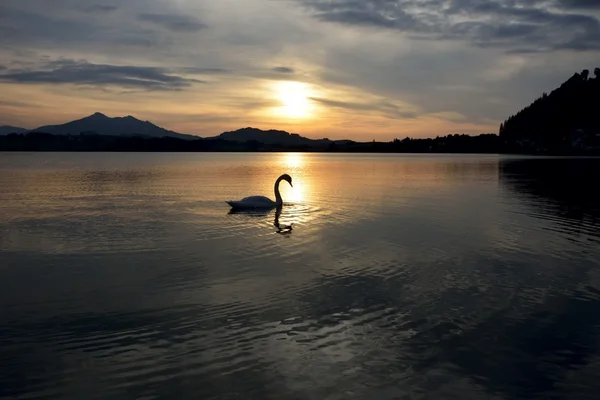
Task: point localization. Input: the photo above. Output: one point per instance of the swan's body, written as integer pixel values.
(262, 201)
(252, 202)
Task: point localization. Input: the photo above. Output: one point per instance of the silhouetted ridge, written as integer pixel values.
(100, 124)
(6, 129)
(566, 120)
(269, 137)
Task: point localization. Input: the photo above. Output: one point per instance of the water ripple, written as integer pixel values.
(402, 277)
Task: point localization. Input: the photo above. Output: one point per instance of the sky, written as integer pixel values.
(342, 69)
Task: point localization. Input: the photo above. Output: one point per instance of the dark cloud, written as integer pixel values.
(21, 63)
(177, 23)
(384, 107)
(37, 28)
(492, 23)
(98, 8)
(283, 70)
(523, 50)
(207, 71)
(85, 73)
(579, 4)
(7, 32)
(2, 67)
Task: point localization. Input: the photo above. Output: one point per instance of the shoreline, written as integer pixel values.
(534, 155)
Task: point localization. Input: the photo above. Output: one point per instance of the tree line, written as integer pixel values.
(35, 141)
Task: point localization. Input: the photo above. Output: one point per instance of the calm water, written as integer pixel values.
(123, 276)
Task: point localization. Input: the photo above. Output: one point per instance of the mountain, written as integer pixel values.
(7, 129)
(564, 119)
(270, 137)
(100, 124)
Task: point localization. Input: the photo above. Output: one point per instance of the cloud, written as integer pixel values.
(98, 8)
(2, 67)
(85, 73)
(64, 28)
(283, 70)
(579, 4)
(384, 107)
(494, 23)
(8, 31)
(173, 22)
(13, 103)
(205, 71)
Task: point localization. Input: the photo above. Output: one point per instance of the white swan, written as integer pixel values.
(262, 201)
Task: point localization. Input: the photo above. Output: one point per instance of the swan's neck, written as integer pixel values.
(278, 199)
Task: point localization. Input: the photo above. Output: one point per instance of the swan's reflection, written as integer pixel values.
(281, 229)
(250, 212)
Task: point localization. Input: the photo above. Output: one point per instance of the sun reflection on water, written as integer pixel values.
(297, 194)
(294, 160)
(294, 164)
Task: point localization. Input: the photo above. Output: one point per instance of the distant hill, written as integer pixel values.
(270, 137)
(100, 124)
(7, 129)
(562, 120)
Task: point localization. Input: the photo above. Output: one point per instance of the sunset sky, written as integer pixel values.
(356, 69)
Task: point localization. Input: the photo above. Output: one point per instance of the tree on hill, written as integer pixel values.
(552, 118)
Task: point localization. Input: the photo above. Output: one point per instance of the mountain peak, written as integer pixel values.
(118, 126)
(98, 115)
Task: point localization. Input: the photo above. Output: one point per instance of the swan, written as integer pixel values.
(262, 201)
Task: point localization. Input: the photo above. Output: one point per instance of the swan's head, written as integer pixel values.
(287, 178)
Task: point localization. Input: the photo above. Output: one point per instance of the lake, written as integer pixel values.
(124, 276)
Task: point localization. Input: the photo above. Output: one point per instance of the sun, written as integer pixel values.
(294, 98)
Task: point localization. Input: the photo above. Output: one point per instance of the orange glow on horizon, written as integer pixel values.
(285, 105)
